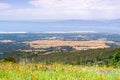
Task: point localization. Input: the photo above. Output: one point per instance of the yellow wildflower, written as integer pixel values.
(100, 76)
(117, 79)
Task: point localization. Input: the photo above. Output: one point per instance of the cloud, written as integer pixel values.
(74, 4)
(71, 5)
(83, 9)
(66, 9)
(4, 5)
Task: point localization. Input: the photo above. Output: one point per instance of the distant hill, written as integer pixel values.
(63, 25)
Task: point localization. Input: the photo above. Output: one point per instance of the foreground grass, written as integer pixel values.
(56, 72)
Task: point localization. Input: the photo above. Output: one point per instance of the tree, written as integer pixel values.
(116, 58)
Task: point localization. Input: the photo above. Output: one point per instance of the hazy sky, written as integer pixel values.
(59, 9)
(85, 13)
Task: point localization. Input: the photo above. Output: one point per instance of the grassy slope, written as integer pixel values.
(56, 72)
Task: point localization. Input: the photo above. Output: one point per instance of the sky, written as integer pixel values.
(58, 10)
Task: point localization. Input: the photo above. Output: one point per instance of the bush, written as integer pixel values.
(9, 59)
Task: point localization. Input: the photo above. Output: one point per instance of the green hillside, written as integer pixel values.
(87, 57)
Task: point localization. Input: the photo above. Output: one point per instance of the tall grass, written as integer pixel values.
(9, 71)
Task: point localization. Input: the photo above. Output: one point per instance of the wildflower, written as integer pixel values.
(55, 68)
(36, 65)
(21, 74)
(78, 69)
(80, 79)
(33, 76)
(48, 67)
(100, 76)
(16, 67)
(117, 79)
(14, 75)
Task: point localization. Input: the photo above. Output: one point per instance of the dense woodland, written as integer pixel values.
(110, 56)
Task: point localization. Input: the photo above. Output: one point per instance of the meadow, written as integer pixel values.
(41, 71)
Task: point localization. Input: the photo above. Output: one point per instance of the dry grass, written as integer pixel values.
(79, 45)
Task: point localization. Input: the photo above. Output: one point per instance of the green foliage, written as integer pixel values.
(116, 58)
(9, 59)
(84, 57)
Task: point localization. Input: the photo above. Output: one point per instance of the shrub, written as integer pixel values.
(9, 59)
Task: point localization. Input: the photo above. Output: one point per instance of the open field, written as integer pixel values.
(78, 45)
(10, 71)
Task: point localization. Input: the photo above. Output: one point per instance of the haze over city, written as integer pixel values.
(59, 15)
